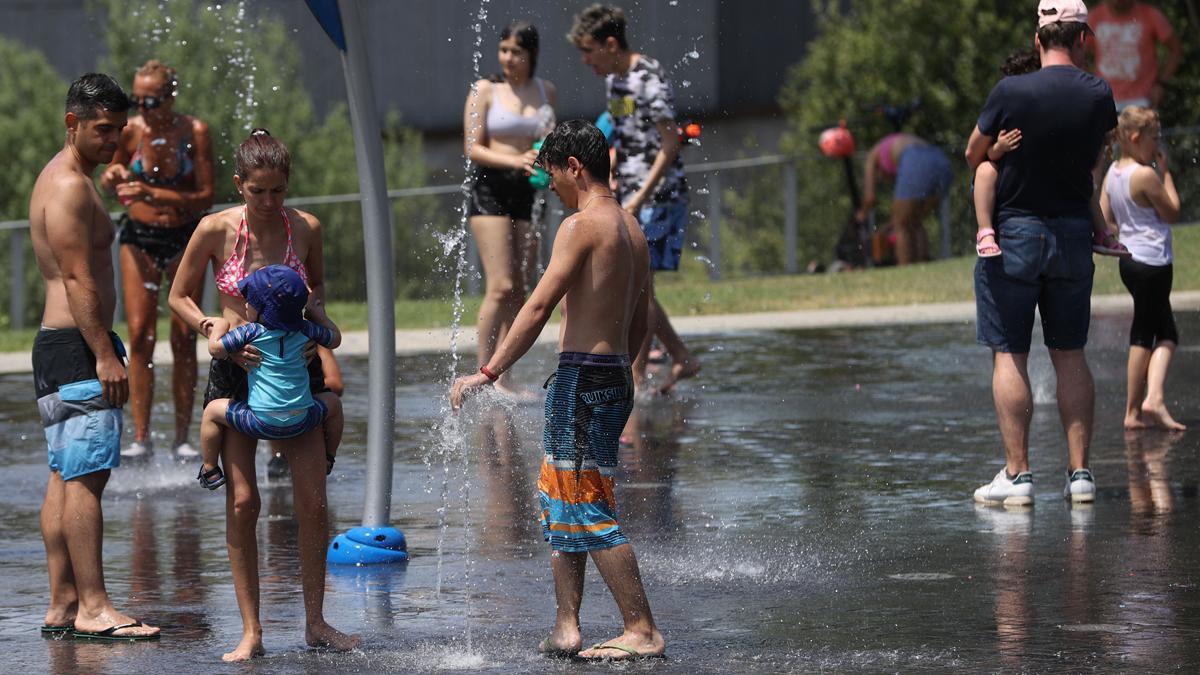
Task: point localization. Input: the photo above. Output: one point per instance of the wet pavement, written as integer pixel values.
(804, 506)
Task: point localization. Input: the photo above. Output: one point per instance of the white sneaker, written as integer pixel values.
(138, 450)
(1080, 487)
(185, 451)
(1016, 491)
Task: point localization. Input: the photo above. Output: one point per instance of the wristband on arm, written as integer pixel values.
(490, 375)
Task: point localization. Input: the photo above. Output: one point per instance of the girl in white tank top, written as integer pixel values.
(1142, 229)
(1142, 201)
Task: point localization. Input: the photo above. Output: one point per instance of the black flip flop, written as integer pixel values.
(110, 633)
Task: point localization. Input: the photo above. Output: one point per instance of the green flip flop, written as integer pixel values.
(634, 655)
(110, 633)
(50, 631)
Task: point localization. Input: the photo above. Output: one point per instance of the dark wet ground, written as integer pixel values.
(805, 506)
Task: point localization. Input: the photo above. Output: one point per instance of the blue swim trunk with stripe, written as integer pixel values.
(587, 405)
(270, 427)
(83, 430)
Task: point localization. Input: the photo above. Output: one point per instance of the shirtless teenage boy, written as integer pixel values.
(599, 268)
(78, 369)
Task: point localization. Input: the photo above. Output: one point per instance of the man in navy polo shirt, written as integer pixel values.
(1045, 206)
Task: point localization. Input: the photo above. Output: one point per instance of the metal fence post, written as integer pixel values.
(119, 315)
(789, 217)
(944, 219)
(16, 286)
(714, 226)
(474, 263)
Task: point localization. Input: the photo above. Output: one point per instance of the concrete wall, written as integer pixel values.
(421, 52)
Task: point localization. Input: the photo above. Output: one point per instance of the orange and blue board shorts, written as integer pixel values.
(588, 400)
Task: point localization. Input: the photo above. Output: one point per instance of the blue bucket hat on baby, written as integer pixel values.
(278, 294)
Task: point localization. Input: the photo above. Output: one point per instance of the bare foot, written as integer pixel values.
(1134, 421)
(250, 647)
(632, 646)
(324, 636)
(561, 643)
(63, 615)
(1157, 415)
(109, 618)
(681, 370)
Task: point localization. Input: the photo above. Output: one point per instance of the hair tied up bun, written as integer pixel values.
(260, 132)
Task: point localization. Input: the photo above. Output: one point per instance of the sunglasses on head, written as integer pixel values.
(147, 102)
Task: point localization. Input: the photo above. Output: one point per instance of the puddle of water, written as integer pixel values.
(782, 522)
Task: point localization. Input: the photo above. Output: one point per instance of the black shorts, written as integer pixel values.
(1150, 286)
(226, 379)
(501, 192)
(164, 244)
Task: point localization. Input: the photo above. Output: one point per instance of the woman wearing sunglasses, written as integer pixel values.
(163, 174)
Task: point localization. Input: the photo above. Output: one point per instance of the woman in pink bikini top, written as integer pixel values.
(235, 242)
(239, 240)
(234, 269)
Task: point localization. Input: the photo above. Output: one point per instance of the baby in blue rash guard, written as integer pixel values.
(280, 404)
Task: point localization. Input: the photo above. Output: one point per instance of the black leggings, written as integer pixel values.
(1150, 287)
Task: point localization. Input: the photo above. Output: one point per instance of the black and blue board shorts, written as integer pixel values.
(83, 430)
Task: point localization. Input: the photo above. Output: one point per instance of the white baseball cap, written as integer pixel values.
(1050, 11)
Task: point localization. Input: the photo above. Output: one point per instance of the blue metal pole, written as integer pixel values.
(376, 541)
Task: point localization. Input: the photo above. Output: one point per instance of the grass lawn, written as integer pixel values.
(691, 293)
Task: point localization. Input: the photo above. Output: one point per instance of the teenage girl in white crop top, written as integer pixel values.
(503, 118)
(1143, 202)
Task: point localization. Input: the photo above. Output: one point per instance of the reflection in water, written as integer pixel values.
(1149, 489)
(647, 471)
(784, 495)
(280, 571)
(509, 525)
(84, 656)
(1014, 607)
(1146, 602)
(186, 566)
(146, 596)
(370, 587)
(144, 581)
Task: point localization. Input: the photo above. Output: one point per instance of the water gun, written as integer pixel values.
(539, 179)
(687, 133)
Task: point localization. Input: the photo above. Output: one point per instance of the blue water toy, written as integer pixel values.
(368, 546)
(606, 125)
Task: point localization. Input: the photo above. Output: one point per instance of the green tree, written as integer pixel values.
(886, 52)
(238, 72)
(31, 131)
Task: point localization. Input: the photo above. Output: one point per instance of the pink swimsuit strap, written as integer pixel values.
(234, 268)
(887, 163)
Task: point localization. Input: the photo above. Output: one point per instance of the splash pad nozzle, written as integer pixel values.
(368, 546)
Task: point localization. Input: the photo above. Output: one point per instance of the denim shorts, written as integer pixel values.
(664, 225)
(1047, 264)
(923, 172)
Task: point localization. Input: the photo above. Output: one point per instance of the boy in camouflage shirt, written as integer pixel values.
(648, 172)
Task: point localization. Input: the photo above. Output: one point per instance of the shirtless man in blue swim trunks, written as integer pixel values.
(78, 366)
(600, 269)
